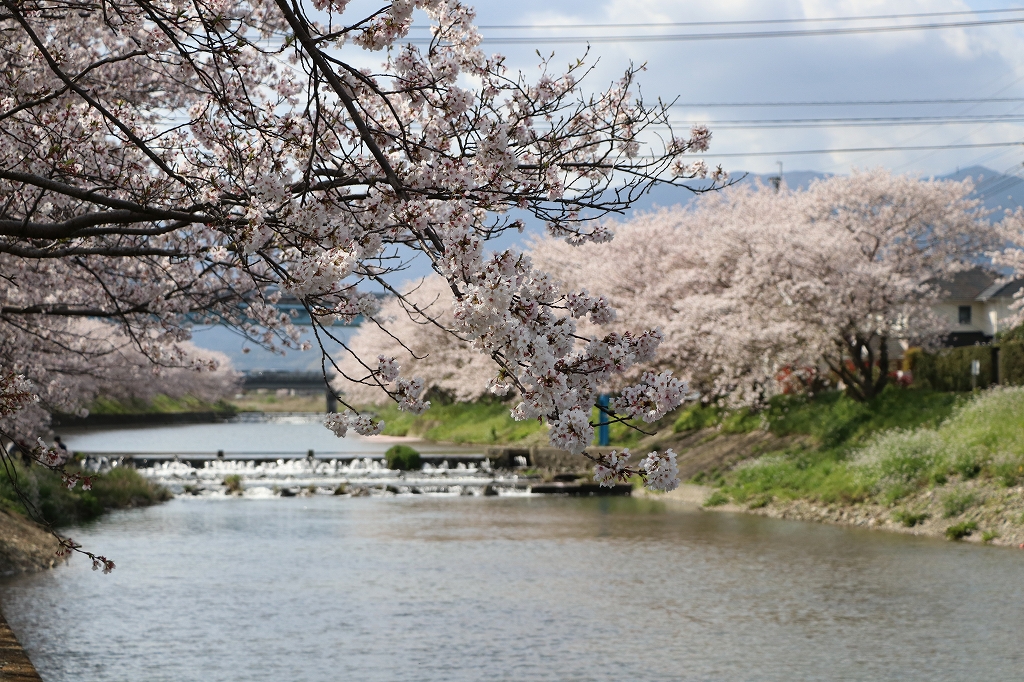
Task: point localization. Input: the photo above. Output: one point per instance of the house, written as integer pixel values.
(977, 303)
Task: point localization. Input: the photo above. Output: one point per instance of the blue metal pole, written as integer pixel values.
(602, 423)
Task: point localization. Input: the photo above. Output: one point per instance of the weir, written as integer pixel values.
(266, 474)
(141, 460)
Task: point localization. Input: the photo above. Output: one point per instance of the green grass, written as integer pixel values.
(696, 417)
(836, 420)
(886, 449)
(489, 422)
(478, 422)
(956, 502)
(233, 482)
(716, 499)
(117, 489)
(909, 518)
(959, 531)
(159, 404)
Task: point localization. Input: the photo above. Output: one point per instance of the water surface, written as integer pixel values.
(527, 588)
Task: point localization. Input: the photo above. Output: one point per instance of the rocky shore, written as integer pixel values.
(24, 546)
(996, 513)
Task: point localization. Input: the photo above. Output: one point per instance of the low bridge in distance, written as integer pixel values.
(275, 380)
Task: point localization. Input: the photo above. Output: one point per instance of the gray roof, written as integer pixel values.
(979, 284)
(1002, 289)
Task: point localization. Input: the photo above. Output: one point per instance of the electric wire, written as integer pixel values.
(850, 103)
(737, 35)
(749, 22)
(788, 124)
(855, 150)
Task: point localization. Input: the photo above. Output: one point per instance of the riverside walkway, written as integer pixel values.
(15, 665)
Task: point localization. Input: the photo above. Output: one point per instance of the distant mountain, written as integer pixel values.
(998, 191)
(665, 196)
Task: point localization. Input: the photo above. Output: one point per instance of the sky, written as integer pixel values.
(958, 63)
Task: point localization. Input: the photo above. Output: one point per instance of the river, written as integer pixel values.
(421, 587)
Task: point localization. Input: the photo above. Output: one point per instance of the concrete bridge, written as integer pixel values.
(273, 380)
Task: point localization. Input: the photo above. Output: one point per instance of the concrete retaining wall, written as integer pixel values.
(542, 458)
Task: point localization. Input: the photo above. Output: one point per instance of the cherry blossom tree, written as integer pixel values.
(1009, 257)
(750, 282)
(167, 164)
(72, 361)
(417, 332)
(872, 270)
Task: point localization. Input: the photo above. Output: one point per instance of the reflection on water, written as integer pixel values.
(421, 588)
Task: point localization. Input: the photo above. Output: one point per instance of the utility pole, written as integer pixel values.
(776, 180)
(602, 420)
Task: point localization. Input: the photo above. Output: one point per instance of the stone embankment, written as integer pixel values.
(24, 546)
(15, 665)
(705, 451)
(997, 512)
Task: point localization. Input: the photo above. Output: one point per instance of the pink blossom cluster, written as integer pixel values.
(612, 468)
(659, 471)
(1010, 259)
(15, 392)
(655, 396)
(363, 424)
(750, 284)
(414, 333)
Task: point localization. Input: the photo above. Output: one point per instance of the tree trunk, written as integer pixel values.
(862, 384)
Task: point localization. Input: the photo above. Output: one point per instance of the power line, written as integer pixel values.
(738, 35)
(854, 150)
(747, 22)
(852, 103)
(760, 124)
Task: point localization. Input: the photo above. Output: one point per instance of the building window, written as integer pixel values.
(965, 314)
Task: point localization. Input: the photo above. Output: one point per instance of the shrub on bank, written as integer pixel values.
(959, 531)
(46, 495)
(909, 518)
(402, 457)
(956, 502)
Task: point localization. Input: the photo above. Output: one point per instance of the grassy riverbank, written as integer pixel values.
(279, 401)
(934, 462)
(25, 545)
(159, 404)
(482, 422)
(47, 498)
